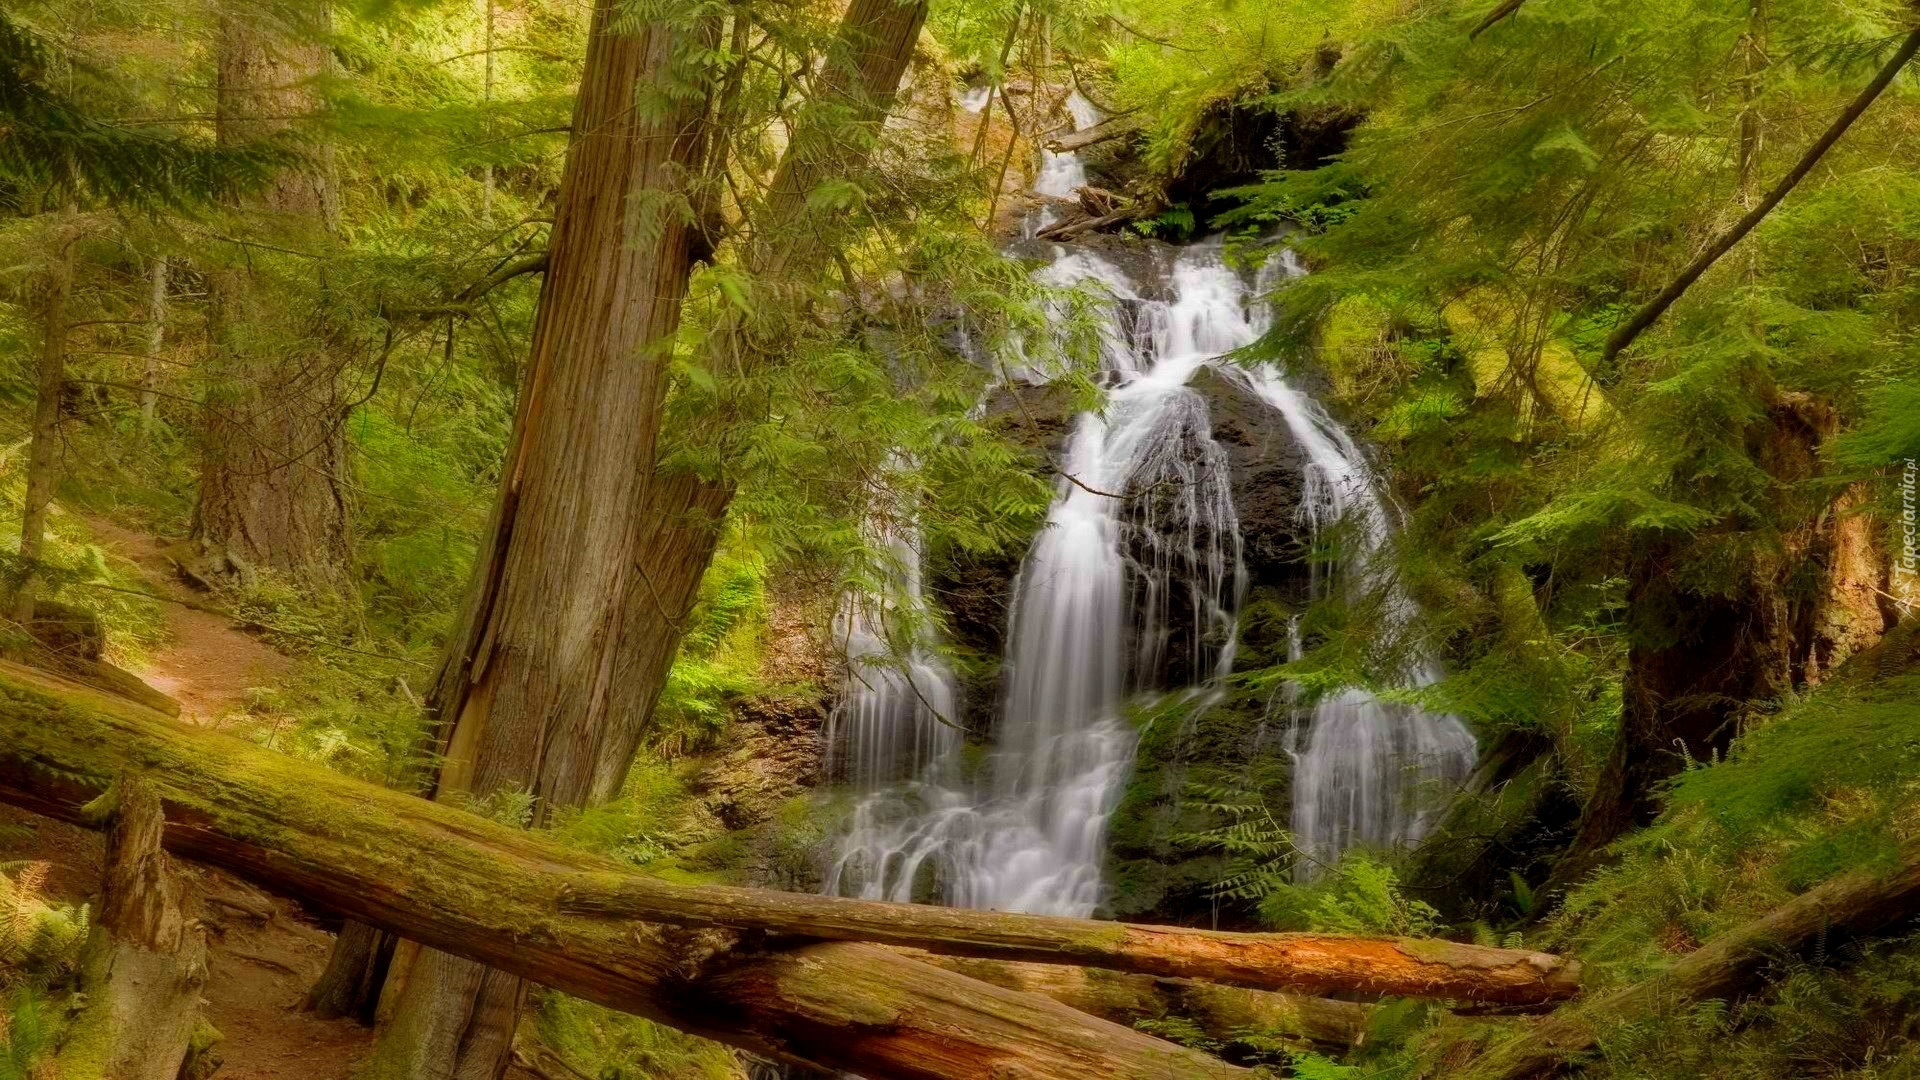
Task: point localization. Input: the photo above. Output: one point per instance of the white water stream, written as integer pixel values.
(1141, 549)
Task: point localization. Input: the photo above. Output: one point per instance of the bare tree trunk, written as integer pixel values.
(460, 882)
(597, 554)
(530, 685)
(350, 986)
(43, 457)
(156, 337)
(273, 451)
(145, 960)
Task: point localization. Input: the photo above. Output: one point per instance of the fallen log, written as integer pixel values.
(471, 887)
(1106, 130)
(1859, 902)
(1222, 1012)
(1315, 963)
(1067, 230)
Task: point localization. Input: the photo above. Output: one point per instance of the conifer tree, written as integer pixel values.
(273, 455)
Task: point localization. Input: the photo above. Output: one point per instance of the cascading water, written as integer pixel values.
(1367, 772)
(895, 721)
(1141, 550)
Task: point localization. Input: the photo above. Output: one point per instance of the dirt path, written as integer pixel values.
(208, 666)
(263, 951)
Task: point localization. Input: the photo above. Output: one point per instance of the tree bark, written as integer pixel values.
(790, 239)
(356, 968)
(272, 439)
(1859, 902)
(1320, 963)
(145, 959)
(156, 337)
(539, 674)
(1223, 1012)
(50, 377)
(432, 873)
(597, 553)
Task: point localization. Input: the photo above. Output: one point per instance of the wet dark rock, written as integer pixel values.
(773, 752)
(1269, 477)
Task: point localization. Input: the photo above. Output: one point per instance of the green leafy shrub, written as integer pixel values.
(1357, 895)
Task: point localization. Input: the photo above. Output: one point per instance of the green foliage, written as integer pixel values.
(1357, 895)
(655, 816)
(720, 654)
(39, 941)
(360, 717)
(56, 146)
(26, 1035)
(1260, 852)
(595, 1041)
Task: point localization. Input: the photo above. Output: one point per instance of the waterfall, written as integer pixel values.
(895, 719)
(1141, 553)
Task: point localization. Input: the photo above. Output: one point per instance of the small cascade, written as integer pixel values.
(895, 720)
(1367, 773)
(1060, 175)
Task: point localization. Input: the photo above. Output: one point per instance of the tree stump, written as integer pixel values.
(145, 959)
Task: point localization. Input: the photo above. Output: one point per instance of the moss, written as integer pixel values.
(598, 1042)
(1156, 868)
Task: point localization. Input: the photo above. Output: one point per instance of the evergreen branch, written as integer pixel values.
(1632, 328)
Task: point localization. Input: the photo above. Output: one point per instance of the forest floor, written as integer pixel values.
(263, 951)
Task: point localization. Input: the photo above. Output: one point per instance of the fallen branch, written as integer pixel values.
(1105, 131)
(1493, 18)
(1317, 963)
(463, 884)
(1627, 331)
(1222, 1012)
(1070, 229)
(1859, 902)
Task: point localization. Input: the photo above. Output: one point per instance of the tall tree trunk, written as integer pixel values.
(530, 683)
(145, 959)
(43, 457)
(156, 337)
(1700, 662)
(790, 239)
(597, 554)
(273, 451)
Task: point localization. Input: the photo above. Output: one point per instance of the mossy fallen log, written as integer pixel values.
(468, 886)
(1222, 1012)
(1859, 902)
(1316, 963)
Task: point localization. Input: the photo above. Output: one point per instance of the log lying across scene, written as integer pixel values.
(1319, 963)
(457, 882)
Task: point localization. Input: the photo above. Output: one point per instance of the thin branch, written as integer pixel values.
(1624, 335)
(543, 54)
(1115, 20)
(1494, 16)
